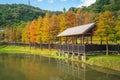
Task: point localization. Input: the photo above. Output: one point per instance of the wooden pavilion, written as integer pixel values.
(79, 32)
(82, 33)
(81, 42)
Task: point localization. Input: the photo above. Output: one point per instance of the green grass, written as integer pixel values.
(26, 50)
(111, 62)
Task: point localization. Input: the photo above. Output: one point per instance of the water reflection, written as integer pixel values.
(32, 67)
(81, 71)
(26, 68)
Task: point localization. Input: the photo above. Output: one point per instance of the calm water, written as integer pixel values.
(19, 67)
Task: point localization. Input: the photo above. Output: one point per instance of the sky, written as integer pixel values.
(52, 5)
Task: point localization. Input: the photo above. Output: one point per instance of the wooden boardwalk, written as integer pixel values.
(78, 49)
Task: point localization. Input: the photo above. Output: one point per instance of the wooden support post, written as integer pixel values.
(83, 57)
(59, 53)
(60, 40)
(78, 56)
(63, 54)
(67, 55)
(91, 38)
(66, 40)
(82, 39)
(73, 55)
(75, 40)
(72, 41)
(87, 42)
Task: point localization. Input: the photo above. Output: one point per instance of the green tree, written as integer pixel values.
(105, 26)
(117, 30)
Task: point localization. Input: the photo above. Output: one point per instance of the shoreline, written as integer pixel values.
(111, 62)
(26, 50)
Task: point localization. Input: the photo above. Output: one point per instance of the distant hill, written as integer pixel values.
(13, 14)
(103, 5)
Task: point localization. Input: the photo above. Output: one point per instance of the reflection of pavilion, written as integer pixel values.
(75, 70)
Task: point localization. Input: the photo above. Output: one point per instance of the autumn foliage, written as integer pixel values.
(45, 29)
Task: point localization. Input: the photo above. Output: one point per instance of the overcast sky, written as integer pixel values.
(53, 5)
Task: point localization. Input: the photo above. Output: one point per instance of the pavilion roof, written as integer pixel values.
(78, 30)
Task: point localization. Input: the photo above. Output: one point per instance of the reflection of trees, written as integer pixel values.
(9, 69)
(26, 68)
(39, 68)
(35, 69)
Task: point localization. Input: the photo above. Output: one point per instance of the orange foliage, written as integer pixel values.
(32, 31)
(71, 19)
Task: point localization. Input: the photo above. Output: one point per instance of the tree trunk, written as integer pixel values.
(49, 47)
(30, 45)
(107, 49)
(40, 47)
(34, 45)
(101, 42)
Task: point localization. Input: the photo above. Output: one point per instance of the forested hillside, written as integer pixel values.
(38, 26)
(103, 5)
(14, 14)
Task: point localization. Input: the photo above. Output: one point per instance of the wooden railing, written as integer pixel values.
(77, 48)
(71, 48)
(102, 48)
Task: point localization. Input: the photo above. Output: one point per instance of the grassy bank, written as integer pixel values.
(26, 50)
(111, 62)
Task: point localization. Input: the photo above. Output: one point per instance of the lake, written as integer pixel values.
(33, 67)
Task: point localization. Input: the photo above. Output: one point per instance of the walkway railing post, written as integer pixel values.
(84, 54)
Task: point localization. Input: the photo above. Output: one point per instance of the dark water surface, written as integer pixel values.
(24, 67)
